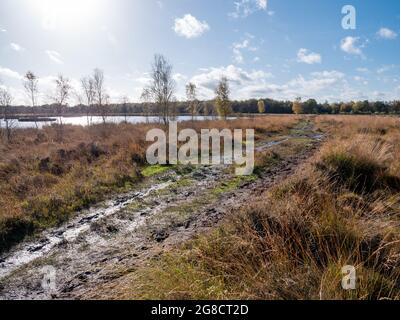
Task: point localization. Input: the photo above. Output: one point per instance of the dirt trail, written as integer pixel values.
(104, 243)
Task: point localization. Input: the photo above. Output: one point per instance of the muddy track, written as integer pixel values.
(103, 244)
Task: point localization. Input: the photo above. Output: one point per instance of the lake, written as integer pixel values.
(82, 120)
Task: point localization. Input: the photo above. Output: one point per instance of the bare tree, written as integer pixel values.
(31, 85)
(105, 109)
(191, 94)
(146, 100)
(162, 87)
(124, 105)
(9, 121)
(61, 95)
(60, 98)
(87, 84)
(100, 95)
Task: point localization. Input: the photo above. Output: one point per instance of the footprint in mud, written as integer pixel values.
(40, 246)
(103, 228)
(160, 235)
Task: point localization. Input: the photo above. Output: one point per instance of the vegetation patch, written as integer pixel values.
(277, 249)
(153, 170)
(233, 184)
(361, 165)
(293, 241)
(265, 160)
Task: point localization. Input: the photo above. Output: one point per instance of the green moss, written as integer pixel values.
(151, 171)
(182, 183)
(136, 205)
(183, 169)
(233, 184)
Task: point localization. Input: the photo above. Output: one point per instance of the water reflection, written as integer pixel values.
(83, 121)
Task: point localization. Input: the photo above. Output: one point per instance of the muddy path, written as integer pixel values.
(101, 245)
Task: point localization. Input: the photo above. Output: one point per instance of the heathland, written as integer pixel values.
(325, 194)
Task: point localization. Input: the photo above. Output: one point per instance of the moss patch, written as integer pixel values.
(151, 171)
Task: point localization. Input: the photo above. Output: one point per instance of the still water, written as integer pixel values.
(83, 121)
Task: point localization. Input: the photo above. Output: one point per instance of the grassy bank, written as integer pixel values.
(45, 180)
(342, 208)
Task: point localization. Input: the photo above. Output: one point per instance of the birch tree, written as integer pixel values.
(9, 121)
(87, 84)
(100, 94)
(31, 86)
(222, 103)
(162, 88)
(191, 95)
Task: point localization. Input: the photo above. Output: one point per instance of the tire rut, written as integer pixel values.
(101, 246)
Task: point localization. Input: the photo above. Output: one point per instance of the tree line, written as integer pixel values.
(311, 106)
(158, 99)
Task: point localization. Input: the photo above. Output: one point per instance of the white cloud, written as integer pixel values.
(315, 86)
(54, 56)
(378, 95)
(237, 53)
(305, 56)
(318, 81)
(386, 33)
(3, 30)
(328, 75)
(349, 45)
(238, 78)
(361, 80)
(386, 68)
(110, 36)
(244, 8)
(238, 47)
(160, 4)
(363, 70)
(6, 72)
(190, 27)
(112, 39)
(16, 47)
(178, 77)
(241, 45)
(143, 80)
(257, 83)
(238, 56)
(262, 4)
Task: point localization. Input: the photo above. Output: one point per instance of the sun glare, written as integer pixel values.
(67, 13)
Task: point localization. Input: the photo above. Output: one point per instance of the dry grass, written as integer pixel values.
(342, 208)
(44, 180)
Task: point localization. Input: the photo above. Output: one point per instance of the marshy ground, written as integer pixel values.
(324, 194)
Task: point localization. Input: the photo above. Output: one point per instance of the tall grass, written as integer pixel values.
(43, 181)
(342, 208)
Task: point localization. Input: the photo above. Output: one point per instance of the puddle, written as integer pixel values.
(71, 231)
(86, 246)
(271, 144)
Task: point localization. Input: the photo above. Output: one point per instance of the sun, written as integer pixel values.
(67, 13)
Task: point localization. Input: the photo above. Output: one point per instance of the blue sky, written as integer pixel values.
(277, 48)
